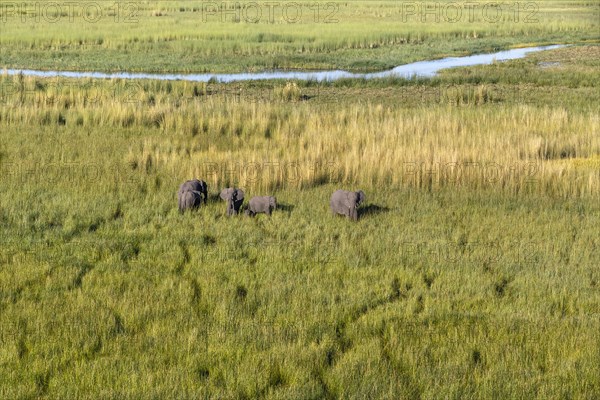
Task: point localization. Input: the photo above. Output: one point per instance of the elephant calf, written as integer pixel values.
(346, 203)
(234, 198)
(261, 204)
(191, 193)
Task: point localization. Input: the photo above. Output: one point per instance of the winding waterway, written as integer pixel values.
(422, 69)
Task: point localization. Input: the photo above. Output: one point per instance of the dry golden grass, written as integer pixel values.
(471, 144)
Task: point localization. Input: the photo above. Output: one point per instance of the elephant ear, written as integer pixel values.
(239, 194)
(361, 197)
(274, 201)
(226, 193)
(350, 198)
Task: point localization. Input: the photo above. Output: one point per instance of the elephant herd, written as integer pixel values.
(193, 193)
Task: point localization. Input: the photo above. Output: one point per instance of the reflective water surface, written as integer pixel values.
(425, 69)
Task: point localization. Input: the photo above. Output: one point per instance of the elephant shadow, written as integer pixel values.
(213, 197)
(372, 209)
(288, 208)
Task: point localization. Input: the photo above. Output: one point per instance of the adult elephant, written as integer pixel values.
(234, 198)
(346, 203)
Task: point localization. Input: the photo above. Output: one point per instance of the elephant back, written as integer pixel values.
(194, 184)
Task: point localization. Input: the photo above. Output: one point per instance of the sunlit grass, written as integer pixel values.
(477, 136)
(358, 35)
(472, 272)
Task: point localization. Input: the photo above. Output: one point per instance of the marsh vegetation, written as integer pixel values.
(472, 272)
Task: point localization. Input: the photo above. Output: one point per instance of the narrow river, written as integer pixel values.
(424, 69)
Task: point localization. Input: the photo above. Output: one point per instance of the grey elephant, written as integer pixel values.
(346, 203)
(261, 204)
(190, 199)
(191, 194)
(195, 185)
(234, 198)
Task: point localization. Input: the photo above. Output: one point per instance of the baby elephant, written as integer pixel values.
(261, 204)
(346, 203)
(234, 198)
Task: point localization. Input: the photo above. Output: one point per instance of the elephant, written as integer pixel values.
(261, 204)
(346, 203)
(234, 198)
(189, 199)
(195, 185)
(191, 193)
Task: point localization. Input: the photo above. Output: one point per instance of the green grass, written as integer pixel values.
(456, 282)
(304, 304)
(360, 36)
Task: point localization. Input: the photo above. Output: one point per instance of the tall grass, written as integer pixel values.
(462, 138)
(480, 284)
